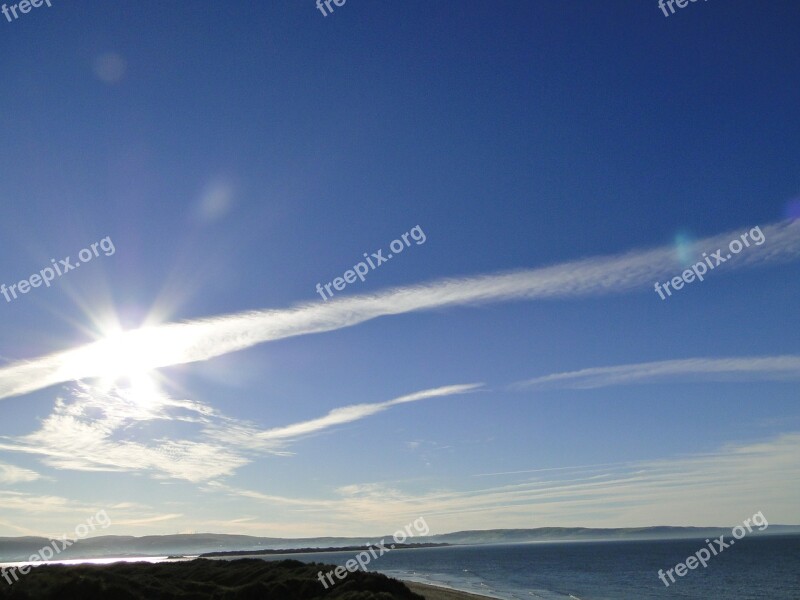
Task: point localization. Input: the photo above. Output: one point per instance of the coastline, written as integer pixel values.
(434, 592)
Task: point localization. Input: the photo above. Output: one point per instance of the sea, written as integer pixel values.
(756, 568)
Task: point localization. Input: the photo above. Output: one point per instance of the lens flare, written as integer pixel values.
(684, 248)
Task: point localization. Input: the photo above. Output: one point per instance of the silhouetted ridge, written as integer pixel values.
(243, 579)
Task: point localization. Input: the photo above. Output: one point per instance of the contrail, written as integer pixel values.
(179, 343)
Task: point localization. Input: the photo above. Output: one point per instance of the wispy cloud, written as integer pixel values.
(179, 343)
(244, 435)
(46, 515)
(713, 489)
(355, 412)
(90, 432)
(148, 520)
(757, 368)
(9, 474)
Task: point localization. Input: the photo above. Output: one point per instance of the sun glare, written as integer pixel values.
(121, 355)
(124, 359)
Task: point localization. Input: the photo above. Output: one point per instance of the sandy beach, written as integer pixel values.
(431, 592)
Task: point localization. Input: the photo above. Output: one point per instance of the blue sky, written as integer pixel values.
(553, 154)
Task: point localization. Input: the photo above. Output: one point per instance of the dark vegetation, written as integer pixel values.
(243, 579)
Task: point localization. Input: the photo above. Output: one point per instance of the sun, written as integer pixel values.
(126, 360)
(120, 355)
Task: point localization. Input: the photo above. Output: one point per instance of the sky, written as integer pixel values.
(512, 365)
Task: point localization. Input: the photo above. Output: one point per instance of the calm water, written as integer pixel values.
(756, 568)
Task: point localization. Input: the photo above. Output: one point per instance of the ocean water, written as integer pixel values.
(756, 568)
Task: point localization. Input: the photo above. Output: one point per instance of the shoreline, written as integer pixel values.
(435, 592)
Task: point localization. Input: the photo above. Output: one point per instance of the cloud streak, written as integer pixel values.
(751, 368)
(180, 343)
(355, 412)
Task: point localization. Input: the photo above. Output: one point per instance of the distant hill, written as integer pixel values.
(21, 548)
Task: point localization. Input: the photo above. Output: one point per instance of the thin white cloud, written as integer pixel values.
(148, 520)
(37, 505)
(51, 516)
(757, 368)
(179, 343)
(9, 474)
(272, 440)
(356, 412)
